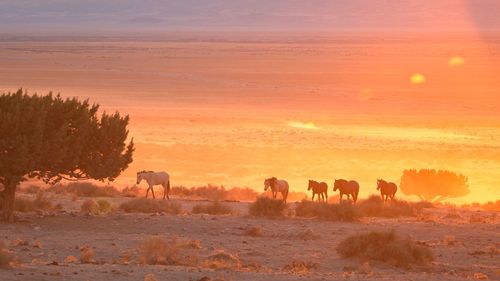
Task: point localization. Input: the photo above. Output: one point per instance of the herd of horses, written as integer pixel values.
(349, 188)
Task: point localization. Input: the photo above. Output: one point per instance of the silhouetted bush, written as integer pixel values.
(159, 250)
(214, 208)
(374, 207)
(333, 212)
(433, 185)
(385, 247)
(144, 205)
(267, 207)
(85, 189)
(92, 207)
(131, 191)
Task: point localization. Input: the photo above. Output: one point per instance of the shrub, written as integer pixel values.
(267, 207)
(332, 212)
(6, 258)
(144, 205)
(215, 208)
(216, 193)
(384, 247)
(133, 191)
(85, 189)
(222, 260)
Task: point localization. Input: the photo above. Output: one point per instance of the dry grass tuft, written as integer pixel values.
(144, 205)
(222, 260)
(133, 191)
(70, 259)
(267, 207)
(87, 255)
(254, 231)
(150, 277)
(166, 251)
(385, 247)
(332, 212)
(6, 257)
(374, 207)
(300, 267)
(215, 193)
(214, 208)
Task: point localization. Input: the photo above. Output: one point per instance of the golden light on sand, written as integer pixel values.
(417, 79)
(303, 125)
(456, 61)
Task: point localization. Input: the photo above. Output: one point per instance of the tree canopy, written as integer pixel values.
(53, 138)
(432, 185)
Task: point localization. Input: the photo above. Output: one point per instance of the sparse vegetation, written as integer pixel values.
(267, 207)
(6, 258)
(222, 260)
(374, 207)
(214, 208)
(300, 267)
(216, 193)
(39, 203)
(432, 185)
(85, 189)
(333, 212)
(132, 191)
(159, 250)
(144, 205)
(385, 247)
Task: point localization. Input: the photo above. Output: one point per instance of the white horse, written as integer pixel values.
(155, 178)
(276, 186)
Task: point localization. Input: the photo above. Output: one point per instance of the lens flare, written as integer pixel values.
(417, 79)
(456, 61)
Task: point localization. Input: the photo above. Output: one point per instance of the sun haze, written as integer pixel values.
(176, 129)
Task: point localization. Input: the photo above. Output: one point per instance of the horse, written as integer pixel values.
(320, 188)
(155, 178)
(348, 188)
(276, 186)
(387, 189)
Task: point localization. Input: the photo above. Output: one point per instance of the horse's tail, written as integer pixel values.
(166, 190)
(285, 194)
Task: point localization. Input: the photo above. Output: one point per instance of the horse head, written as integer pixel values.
(336, 185)
(139, 176)
(311, 182)
(267, 184)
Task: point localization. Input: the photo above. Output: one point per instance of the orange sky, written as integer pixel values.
(233, 109)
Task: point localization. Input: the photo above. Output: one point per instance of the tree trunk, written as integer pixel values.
(8, 196)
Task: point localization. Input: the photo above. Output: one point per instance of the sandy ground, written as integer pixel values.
(464, 242)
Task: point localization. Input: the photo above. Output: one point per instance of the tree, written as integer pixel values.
(51, 138)
(433, 185)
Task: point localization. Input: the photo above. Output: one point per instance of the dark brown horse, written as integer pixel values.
(387, 189)
(350, 188)
(320, 188)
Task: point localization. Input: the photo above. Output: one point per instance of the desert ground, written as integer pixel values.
(53, 245)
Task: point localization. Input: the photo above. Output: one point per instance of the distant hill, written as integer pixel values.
(254, 15)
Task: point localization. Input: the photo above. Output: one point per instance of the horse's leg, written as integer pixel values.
(147, 192)
(326, 195)
(164, 191)
(152, 191)
(341, 197)
(313, 197)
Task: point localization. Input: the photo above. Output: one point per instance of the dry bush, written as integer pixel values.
(332, 212)
(144, 205)
(92, 207)
(374, 206)
(491, 206)
(6, 257)
(164, 251)
(293, 196)
(222, 260)
(385, 247)
(254, 231)
(85, 189)
(31, 189)
(214, 208)
(300, 267)
(241, 194)
(70, 259)
(87, 255)
(41, 202)
(267, 207)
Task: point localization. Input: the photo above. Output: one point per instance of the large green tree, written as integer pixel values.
(431, 185)
(51, 138)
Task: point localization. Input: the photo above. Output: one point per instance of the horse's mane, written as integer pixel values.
(145, 172)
